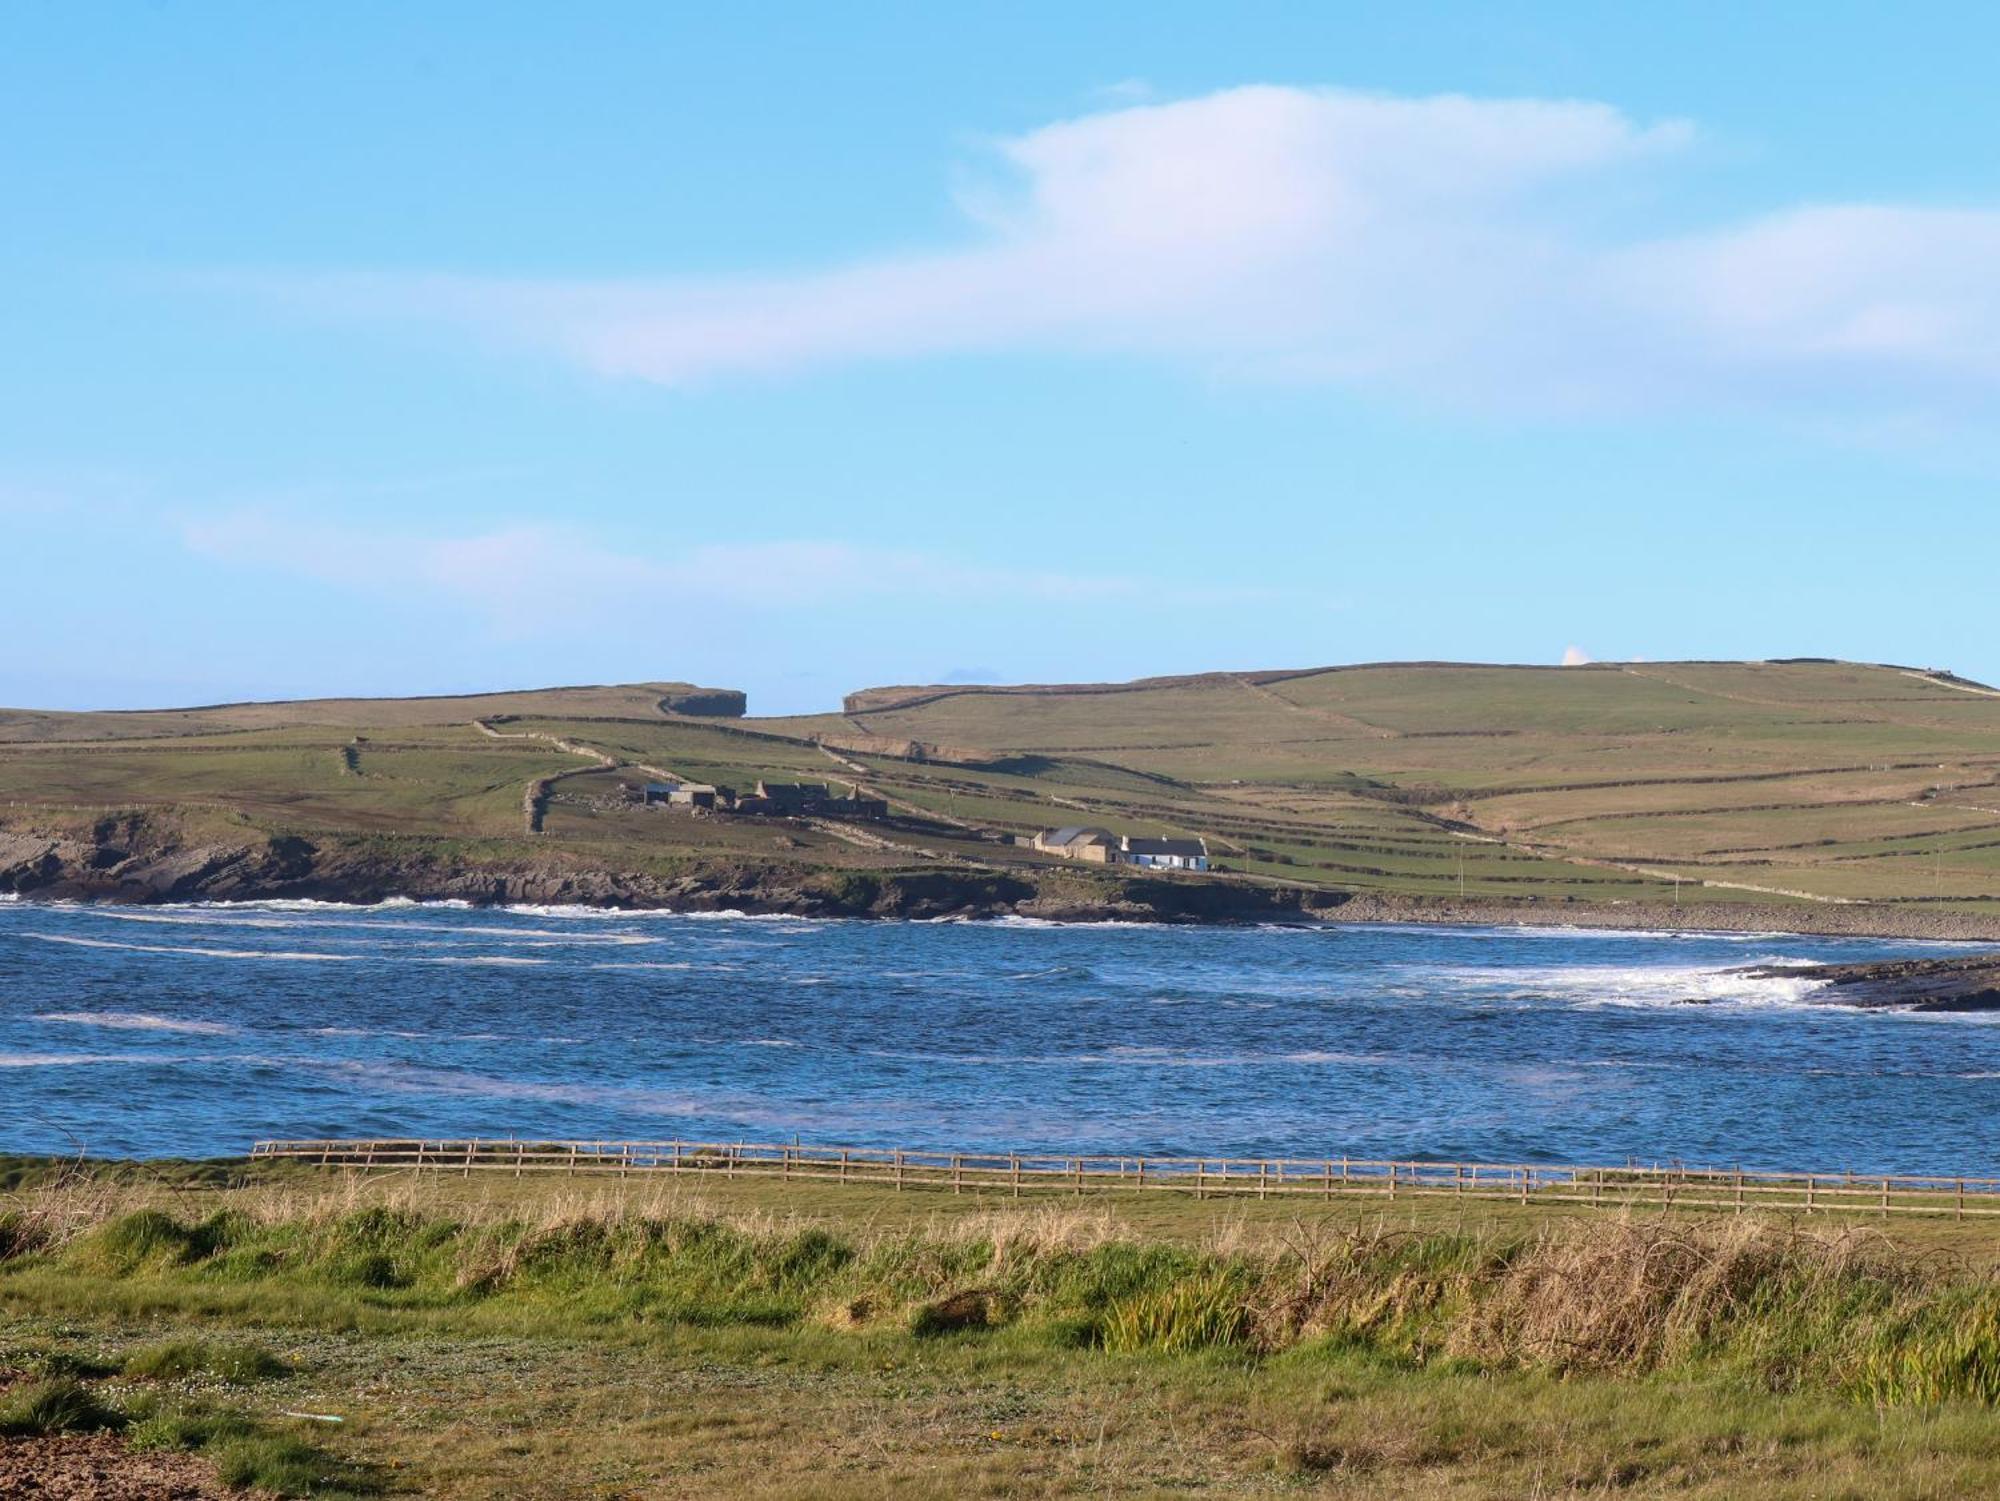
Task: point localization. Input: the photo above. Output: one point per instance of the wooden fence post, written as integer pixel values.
(1014, 1167)
(470, 1147)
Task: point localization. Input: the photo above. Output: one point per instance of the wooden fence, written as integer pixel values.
(1732, 1189)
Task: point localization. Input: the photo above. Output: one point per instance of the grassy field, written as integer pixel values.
(485, 1338)
(1704, 783)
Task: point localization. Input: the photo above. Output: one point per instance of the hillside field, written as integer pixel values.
(1801, 784)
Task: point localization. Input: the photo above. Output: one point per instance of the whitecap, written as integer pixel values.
(68, 1060)
(134, 1021)
(477, 959)
(156, 948)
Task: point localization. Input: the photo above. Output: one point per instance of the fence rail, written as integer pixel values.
(1016, 1173)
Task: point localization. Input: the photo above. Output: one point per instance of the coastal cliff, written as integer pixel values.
(141, 857)
(138, 858)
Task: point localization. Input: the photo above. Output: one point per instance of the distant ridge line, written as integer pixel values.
(371, 698)
(916, 695)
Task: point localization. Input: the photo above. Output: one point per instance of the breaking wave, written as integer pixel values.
(135, 1021)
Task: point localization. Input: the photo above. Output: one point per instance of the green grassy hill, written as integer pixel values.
(1802, 783)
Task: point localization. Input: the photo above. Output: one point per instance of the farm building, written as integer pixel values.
(810, 800)
(1167, 854)
(1080, 842)
(1096, 846)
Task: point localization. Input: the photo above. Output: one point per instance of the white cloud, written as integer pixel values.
(1576, 656)
(528, 576)
(1444, 247)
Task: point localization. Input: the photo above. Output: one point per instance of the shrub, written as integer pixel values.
(1206, 1314)
(286, 1466)
(59, 1406)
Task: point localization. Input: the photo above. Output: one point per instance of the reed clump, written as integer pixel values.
(1782, 1308)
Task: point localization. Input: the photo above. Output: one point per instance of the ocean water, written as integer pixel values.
(196, 1029)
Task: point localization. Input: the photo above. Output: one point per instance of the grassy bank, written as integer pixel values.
(536, 1340)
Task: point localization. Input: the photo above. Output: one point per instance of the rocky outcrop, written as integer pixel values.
(707, 703)
(144, 857)
(1966, 984)
(140, 858)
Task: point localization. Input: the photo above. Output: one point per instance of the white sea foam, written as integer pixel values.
(572, 910)
(526, 937)
(734, 914)
(473, 959)
(1640, 985)
(288, 955)
(1016, 920)
(134, 1021)
(158, 948)
(66, 1060)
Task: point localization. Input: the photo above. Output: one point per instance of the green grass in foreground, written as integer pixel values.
(536, 1340)
(244, 1450)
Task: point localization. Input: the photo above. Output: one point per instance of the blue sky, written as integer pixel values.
(372, 349)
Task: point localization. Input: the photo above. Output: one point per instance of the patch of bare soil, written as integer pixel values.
(98, 1467)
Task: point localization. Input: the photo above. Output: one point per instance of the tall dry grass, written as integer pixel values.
(1782, 1307)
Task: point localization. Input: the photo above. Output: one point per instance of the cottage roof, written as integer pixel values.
(1077, 833)
(1185, 848)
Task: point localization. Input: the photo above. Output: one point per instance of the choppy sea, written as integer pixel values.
(195, 1029)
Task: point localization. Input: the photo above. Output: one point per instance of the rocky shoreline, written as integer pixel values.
(1967, 984)
(137, 859)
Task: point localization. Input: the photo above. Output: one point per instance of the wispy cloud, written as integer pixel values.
(1447, 248)
(529, 577)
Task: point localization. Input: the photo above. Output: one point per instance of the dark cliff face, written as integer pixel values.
(139, 860)
(137, 857)
(709, 703)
